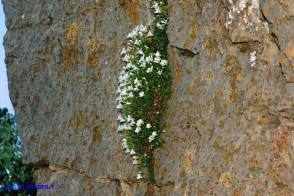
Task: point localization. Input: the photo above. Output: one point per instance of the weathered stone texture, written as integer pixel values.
(229, 123)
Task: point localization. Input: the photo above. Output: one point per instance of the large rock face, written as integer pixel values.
(229, 123)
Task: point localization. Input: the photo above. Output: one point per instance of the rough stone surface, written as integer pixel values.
(229, 123)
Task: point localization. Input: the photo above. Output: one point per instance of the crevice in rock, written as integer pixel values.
(243, 42)
(276, 39)
(264, 18)
(185, 52)
(48, 23)
(45, 164)
(41, 164)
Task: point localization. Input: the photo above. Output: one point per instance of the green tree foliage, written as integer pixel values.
(12, 170)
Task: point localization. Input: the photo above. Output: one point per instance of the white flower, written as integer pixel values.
(135, 162)
(138, 129)
(131, 95)
(150, 69)
(123, 92)
(159, 72)
(120, 118)
(123, 51)
(142, 59)
(150, 34)
(157, 59)
(130, 88)
(140, 122)
(140, 52)
(126, 57)
(151, 137)
(149, 59)
(132, 122)
(136, 81)
(163, 62)
(143, 64)
(137, 42)
(157, 11)
(141, 94)
(139, 176)
(156, 7)
(157, 54)
(143, 28)
(158, 25)
(119, 106)
(129, 118)
(132, 152)
(148, 126)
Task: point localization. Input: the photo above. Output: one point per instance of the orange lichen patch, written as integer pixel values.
(194, 31)
(192, 35)
(192, 89)
(92, 61)
(92, 43)
(225, 179)
(222, 123)
(224, 31)
(207, 103)
(56, 104)
(209, 77)
(163, 171)
(36, 69)
(133, 12)
(97, 137)
(187, 6)
(217, 146)
(45, 60)
(187, 44)
(176, 139)
(67, 65)
(229, 158)
(99, 73)
(202, 171)
(211, 48)
(282, 146)
(269, 74)
(262, 120)
(244, 48)
(290, 51)
(73, 31)
(265, 13)
(188, 160)
(272, 3)
(170, 7)
(260, 149)
(178, 75)
(231, 63)
(65, 53)
(240, 77)
(47, 40)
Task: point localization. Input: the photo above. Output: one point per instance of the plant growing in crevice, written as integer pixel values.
(144, 88)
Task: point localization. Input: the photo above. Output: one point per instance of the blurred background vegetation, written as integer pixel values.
(12, 170)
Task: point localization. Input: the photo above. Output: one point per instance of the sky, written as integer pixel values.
(4, 93)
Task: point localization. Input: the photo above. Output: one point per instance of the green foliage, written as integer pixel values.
(145, 85)
(12, 170)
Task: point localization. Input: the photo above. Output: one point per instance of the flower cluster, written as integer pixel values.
(144, 86)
